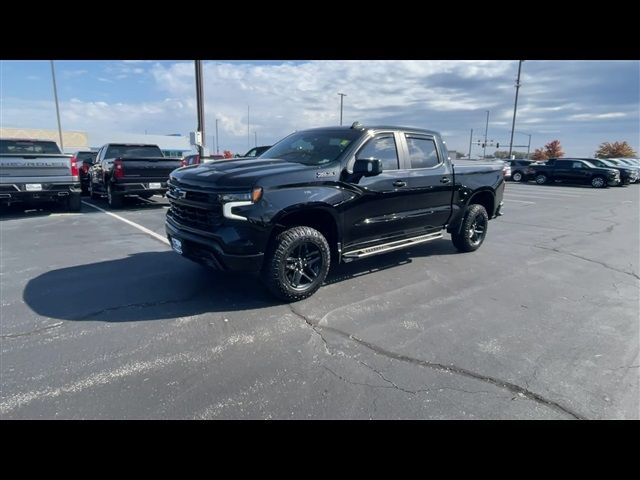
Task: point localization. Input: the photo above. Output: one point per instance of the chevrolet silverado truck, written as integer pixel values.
(574, 171)
(325, 196)
(129, 169)
(36, 171)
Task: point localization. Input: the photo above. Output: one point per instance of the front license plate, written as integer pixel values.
(176, 245)
(155, 185)
(34, 187)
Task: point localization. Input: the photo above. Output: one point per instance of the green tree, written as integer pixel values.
(615, 150)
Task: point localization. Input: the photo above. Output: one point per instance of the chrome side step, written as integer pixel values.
(388, 247)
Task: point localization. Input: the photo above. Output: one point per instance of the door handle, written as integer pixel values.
(399, 183)
(445, 180)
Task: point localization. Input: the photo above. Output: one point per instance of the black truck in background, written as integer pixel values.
(325, 196)
(573, 170)
(122, 169)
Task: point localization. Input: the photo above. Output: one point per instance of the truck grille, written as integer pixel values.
(194, 217)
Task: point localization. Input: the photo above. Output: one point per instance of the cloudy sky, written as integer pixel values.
(581, 103)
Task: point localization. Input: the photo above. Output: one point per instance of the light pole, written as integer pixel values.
(217, 138)
(342, 95)
(515, 107)
(256, 135)
(529, 144)
(55, 96)
(470, 140)
(200, 105)
(248, 133)
(486, 129)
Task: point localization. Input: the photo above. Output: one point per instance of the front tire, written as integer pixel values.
(517, 177)
(74, 202)
(297, 264)
(114, 199)
(598, 182)
(541, 179)
(473, 230)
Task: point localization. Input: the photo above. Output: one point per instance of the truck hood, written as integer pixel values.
(236, 174)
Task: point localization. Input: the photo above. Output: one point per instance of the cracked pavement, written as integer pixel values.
(102, 321)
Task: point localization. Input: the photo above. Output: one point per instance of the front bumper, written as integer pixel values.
(207, 251)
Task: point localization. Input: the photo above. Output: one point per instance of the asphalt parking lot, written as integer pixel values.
(100, 319)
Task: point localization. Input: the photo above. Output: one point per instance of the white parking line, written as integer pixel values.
(569, 193)
(519, 201)
(536, 197)
(129, 222)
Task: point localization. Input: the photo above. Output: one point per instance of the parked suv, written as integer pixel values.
(520, 171)
(325, 196)
(575, 170)
(627, 174)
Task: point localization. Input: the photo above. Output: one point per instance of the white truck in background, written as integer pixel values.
(36, 171)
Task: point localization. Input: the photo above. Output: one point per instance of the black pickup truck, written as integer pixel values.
(129, 169)
(329, 195)
(573, 170)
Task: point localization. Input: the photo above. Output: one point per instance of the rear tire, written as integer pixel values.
(517, 177)
(297, 264)
(473, 229)
(114, 199)
(598, 182)
(541, 179)
(92, 194)
(74, 202)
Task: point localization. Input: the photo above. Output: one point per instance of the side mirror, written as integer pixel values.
(368, 167)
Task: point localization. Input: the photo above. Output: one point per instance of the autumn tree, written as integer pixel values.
(227, 154)
(539, 154)
(615, 150)
(553, 149)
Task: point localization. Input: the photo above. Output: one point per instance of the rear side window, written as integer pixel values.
(422, 152)
(29, 146)
(383, 148)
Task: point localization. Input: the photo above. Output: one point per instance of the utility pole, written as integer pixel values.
(55, 96)
(200, 104)
(217, 138)
(528, 147)
(342, 95)
(486, 129)
(256, 135)
(470, 140)
(515, 107)
(248, 133)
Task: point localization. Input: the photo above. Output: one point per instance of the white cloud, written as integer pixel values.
(590, 117)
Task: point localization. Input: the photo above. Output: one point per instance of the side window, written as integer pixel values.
(422, 152)
(577, 165)
(384, 148)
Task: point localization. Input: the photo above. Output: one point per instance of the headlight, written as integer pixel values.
(253, 196)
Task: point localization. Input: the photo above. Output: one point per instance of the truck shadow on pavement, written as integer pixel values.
(162, 285)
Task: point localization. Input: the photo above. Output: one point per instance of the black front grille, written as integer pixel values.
(194, 217)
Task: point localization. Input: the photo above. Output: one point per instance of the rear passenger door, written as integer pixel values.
(429, 180)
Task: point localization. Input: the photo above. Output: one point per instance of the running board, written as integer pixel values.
(388, 247)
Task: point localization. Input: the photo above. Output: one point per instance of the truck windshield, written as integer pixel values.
(128, 151)
(29, 147)
(313, 147)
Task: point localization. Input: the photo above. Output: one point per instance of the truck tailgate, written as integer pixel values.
(149, 169)
(25, 168)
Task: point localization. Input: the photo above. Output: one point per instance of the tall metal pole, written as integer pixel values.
(515, 107)
(528, 147)
(248, 133)
(217, 138)
(486, 129)
(55, 96)
(342, 95)
(470, 140)
(256, 135)
(200, 104)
